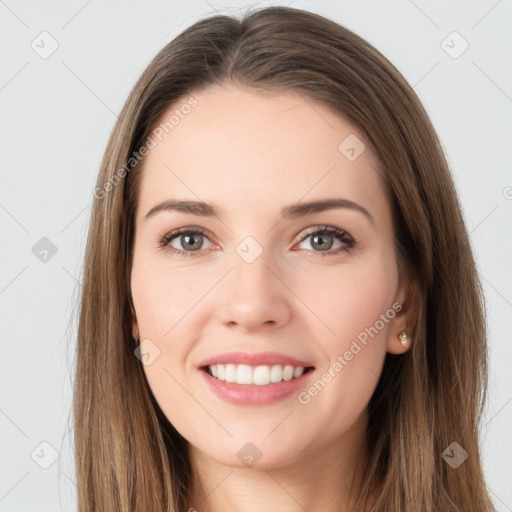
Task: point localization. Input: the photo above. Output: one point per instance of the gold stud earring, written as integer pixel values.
(403, 338)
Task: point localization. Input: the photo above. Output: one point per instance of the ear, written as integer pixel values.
(135, 326)
(404, 320)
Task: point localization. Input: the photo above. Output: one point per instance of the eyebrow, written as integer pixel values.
(292, 211)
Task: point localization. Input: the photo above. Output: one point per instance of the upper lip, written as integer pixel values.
(260, 358)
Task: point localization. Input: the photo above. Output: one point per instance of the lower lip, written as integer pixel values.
(244, 394)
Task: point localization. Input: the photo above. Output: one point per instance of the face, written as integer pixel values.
(291, 307)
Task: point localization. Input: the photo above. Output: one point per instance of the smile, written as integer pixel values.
(262, 375)
(255, 385)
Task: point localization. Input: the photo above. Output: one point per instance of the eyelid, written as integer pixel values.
(340, 234)
(334, 231)
(175, 233)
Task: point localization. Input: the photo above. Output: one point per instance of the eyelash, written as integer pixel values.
(341, 235)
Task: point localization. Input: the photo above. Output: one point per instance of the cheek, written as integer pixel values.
(161, 304)
(167, 302)
(163, 296)
(358, 308)
(354, 304)
(347, 300)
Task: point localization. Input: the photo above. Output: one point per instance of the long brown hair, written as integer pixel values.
(128, 456)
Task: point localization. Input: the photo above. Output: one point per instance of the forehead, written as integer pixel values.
(250, 150)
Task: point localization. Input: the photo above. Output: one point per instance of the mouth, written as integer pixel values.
(261, 375)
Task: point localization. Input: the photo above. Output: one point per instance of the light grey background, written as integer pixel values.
(56, 116)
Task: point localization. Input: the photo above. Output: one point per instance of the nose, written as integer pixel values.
(253, 296)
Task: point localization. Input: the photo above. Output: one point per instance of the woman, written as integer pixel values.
(281, 308)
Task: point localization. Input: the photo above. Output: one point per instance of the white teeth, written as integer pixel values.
(288, 372)
(230, 373)
(244, 374)
(261, 375)
(276, 373)
(298, 371)
(255, 375)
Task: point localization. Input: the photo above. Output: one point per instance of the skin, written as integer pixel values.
(252, 154)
